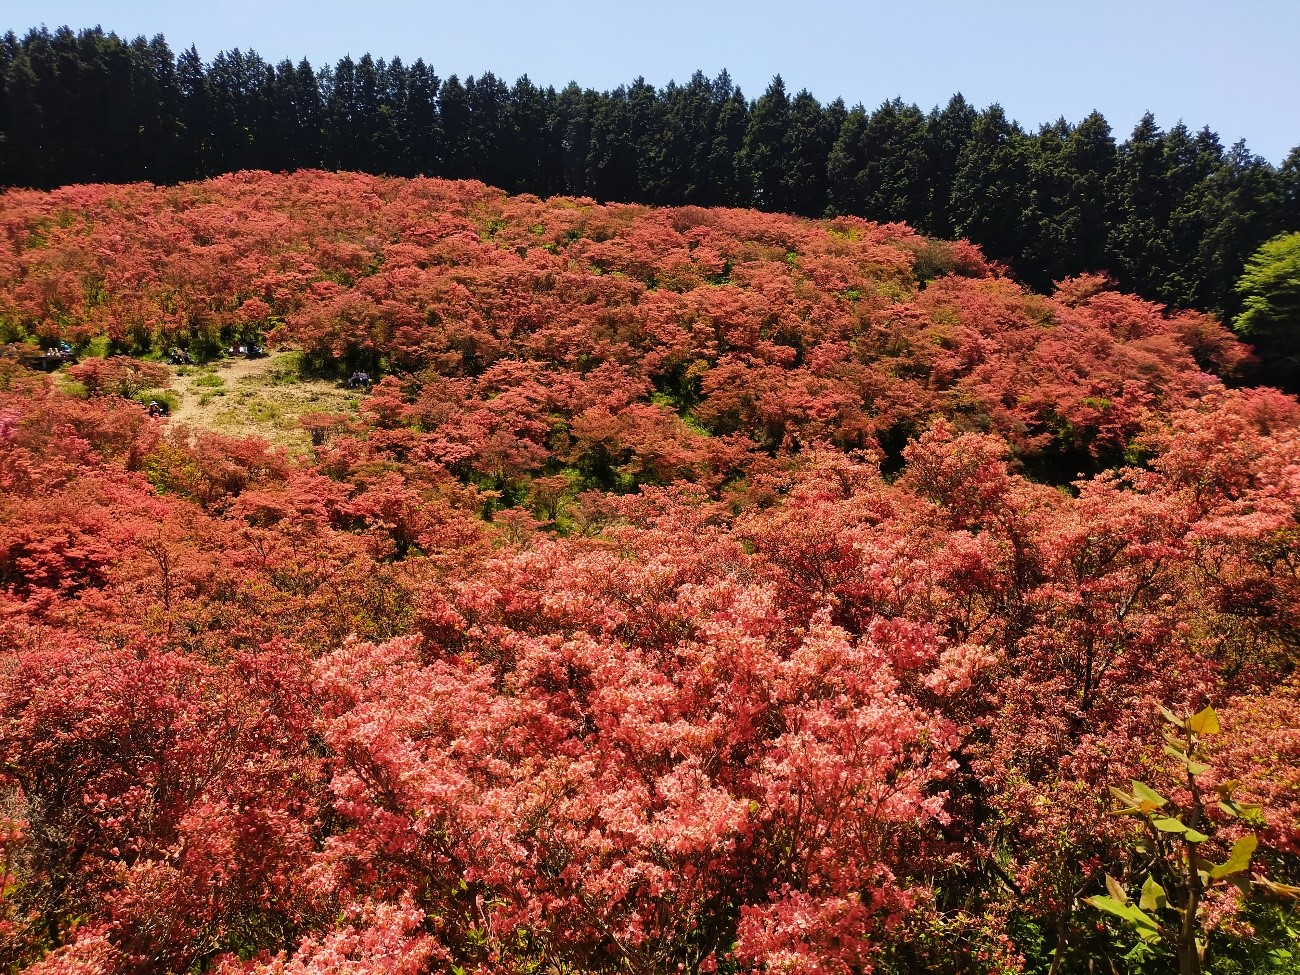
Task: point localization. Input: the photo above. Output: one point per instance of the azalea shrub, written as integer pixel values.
(695, 590)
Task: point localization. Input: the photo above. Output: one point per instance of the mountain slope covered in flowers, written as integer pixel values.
(696, 590)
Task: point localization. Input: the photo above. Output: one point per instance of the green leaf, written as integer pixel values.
(1192, 836)
(1147, 795)
(1153, 895)
(1116, 891)
(1129, 805)
(1239, 859)
(1168, 824)
(1146, 927)
(1196, 768)
(1282, 890)
(1204, 722)
(1109, 905)
(1172, 718)
(1252, 812)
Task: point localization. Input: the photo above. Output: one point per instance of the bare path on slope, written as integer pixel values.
(255, 397)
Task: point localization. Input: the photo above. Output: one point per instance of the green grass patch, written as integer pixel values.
(164, 397)
(260, 411)
(96, 348)
(286, 369)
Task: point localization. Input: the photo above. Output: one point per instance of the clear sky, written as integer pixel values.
(1233, 65)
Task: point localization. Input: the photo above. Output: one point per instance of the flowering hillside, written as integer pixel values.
(695, 590)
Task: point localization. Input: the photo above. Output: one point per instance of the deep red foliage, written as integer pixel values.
(698, 590)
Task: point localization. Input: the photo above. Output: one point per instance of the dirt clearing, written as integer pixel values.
(256, 397)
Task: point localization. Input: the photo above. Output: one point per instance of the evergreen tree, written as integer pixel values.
(1049, 221)
(575, 110)
(679, 167)
(811, 134)
(1242, 208)
(1137, 238)
(947, 133)
(394, 91)
(155, 97)
(765, 157)
(727, 183)
(9, 52)
(1067, 223)
(1161, 191)
(420, 125)
(848, 181)
(360, 117)
(1289, 188)
(33, 103)
(374, 141)
(879, 166)
(338, 95)
(298, 114)
(534, 155)
(1088, 160)
(1191, 162)
(195, 116)
(240, 95)
(622, 128)
(457, 146)
(490, 136)
(990, 193)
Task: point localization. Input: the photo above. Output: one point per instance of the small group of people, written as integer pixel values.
(62, 352)
(359, 380)
(246, 350)
(42, 360)
(158, 409)
(179, 357)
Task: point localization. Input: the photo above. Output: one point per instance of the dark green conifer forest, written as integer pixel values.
(1172, 214)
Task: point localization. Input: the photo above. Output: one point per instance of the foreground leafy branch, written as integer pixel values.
(1170, 907)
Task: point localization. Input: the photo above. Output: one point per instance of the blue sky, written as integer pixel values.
(1229, 65)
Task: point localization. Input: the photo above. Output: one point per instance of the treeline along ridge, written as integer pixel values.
(1171, 214)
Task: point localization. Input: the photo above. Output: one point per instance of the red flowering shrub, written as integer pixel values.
(693, 591)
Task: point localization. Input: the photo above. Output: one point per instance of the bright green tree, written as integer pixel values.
(1270, 315)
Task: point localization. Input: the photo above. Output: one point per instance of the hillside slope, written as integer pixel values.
(729, 331)
(696, 590)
